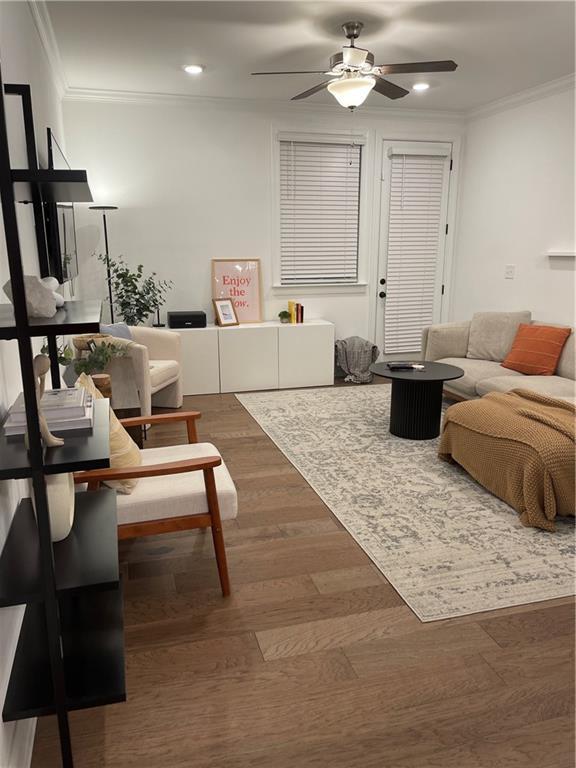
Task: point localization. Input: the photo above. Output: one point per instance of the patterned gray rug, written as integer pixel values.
(449, 547)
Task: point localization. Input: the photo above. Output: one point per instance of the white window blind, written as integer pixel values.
(416, 235)
(319, 212)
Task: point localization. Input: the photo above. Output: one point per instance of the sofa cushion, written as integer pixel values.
(567, 363)
(554, 386)
(162, 372)
(536, 349)
(474, 371)
(155, 498)
(492, 334)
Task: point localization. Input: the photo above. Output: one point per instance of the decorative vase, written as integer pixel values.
(60, 495)
(284, 319)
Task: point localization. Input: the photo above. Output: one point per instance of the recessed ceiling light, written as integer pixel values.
(193, 69)
(420, 87)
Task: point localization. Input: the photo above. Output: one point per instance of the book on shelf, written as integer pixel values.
(60, 403)
(57, 421)
(296, 311)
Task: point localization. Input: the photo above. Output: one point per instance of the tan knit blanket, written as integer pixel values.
(520, 446)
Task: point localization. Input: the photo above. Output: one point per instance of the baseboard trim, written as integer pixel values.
(22, 744)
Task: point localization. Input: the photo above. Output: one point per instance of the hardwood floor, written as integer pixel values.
(315, 661)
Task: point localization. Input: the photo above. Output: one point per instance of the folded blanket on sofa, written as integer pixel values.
(520, 446)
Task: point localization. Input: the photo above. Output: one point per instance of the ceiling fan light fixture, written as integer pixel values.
(420, 86)
(351, 91)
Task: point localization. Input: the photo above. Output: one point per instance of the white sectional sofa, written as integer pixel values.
(480, 345)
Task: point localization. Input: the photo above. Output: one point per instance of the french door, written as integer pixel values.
(413, 230)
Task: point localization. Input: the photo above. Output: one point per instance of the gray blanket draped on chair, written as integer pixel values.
(355, 356)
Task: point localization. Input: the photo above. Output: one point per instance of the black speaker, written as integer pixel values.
(187, 319)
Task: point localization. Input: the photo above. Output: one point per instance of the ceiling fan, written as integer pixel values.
(353, 73)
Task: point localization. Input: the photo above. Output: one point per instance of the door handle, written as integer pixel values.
(382, 294)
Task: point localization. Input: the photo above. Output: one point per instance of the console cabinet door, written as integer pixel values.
(199, 349)
(306, 355)
(248, 358)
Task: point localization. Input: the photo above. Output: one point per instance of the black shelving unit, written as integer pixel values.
(70, 652)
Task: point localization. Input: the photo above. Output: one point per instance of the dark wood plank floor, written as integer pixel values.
(315, 661)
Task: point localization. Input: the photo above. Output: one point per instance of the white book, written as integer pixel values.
(55, 403)
(57, 425)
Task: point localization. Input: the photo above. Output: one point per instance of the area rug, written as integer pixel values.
(448, 546)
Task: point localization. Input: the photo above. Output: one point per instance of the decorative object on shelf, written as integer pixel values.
(106, 257)
(284, 316)
(239, 280)
(41, 367)
(136, 297)
(158, 323)
(224, 312)
(60, 496)
(42, 299)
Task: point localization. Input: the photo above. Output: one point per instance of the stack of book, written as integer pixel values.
(296, 311)
(65, 410)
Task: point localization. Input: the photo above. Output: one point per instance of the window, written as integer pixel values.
(319, 212)
(417, 210)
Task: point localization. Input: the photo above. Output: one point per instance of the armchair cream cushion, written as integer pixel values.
(157, 498)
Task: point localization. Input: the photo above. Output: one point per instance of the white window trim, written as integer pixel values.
(364, 232)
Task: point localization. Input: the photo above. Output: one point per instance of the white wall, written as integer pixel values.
(517, 202)
(23, 61)
(194, 181)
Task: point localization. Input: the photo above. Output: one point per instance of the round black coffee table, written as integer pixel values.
(416, 406)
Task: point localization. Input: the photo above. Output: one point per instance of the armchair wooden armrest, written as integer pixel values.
(189, 417)
(96, 476)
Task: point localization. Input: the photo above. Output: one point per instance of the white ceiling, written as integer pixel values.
(501, 47)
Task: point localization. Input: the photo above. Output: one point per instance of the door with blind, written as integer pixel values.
(319, 212)
(415, 187)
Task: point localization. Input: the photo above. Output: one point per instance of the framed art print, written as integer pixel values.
(239, 280)
(224, 312)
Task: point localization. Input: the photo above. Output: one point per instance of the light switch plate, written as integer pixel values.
(510, 271)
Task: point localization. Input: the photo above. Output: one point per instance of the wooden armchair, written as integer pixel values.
(171, 494)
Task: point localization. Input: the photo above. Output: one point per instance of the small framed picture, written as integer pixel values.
(239, 280)
(225, 313)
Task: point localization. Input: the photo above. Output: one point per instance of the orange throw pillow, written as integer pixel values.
(536, 349)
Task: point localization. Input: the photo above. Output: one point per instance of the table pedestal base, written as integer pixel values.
(416, 409)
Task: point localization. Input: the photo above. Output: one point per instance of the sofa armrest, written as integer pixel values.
(161, 344)
(445, 340)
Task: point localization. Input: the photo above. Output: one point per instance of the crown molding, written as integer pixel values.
(251, 105)
(43, 23)
(566, 83)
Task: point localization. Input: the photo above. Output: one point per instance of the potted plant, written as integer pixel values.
(284, 316)
(136, 296)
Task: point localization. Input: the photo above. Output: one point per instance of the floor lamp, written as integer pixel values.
(105, 208)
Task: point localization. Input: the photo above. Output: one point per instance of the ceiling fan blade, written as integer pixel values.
(311, 91)
(306, 72)
(418, 67)
(386, 88)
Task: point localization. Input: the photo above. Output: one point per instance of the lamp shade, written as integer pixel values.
(351, 91)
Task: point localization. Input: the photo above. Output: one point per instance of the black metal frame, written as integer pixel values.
(36, 452)
(25, 94)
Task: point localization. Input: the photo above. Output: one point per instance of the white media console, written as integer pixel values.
(254, 356)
